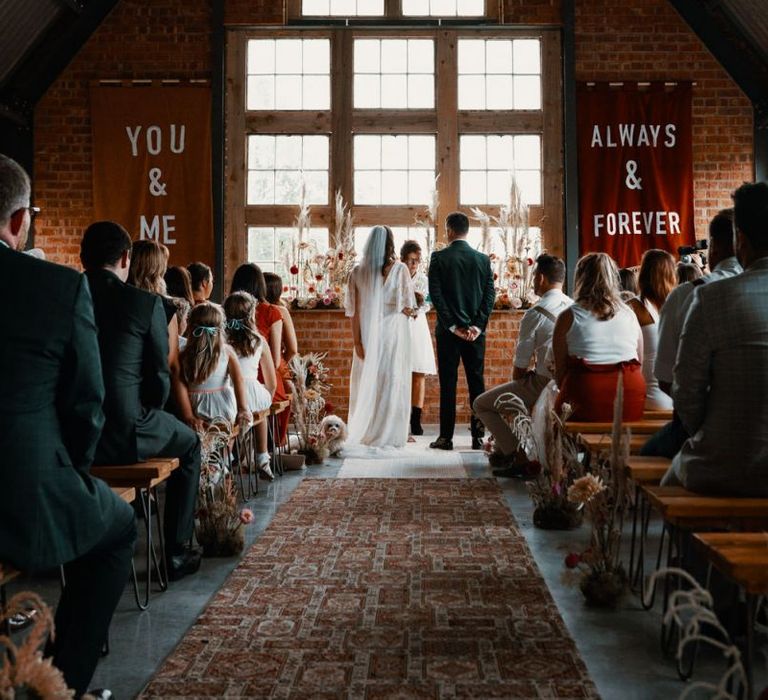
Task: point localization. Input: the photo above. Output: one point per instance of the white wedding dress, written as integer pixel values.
(380, 384)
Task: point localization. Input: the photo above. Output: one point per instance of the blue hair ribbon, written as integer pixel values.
(236, 324)
(210, 330)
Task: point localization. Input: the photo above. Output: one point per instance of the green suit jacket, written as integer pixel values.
(461, 286)
(133, 340)
(51, 509)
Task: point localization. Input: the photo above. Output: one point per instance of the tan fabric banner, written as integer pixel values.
(152, 166)
(635, 170)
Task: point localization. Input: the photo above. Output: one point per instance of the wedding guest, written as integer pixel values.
(52, 511)
(182, 315)
(656, 280)
(255, 360)
(290, 347)
(629, 286)
(720, 380)
(687, 272)
(201, 280)
(269, 322)
(668, 441)
(149, 261)
(178, 283)
(210, 368)
(133, 343)
(422, 353)
(596, 339)
(534, 344)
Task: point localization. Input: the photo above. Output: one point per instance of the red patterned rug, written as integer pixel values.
(382, 588)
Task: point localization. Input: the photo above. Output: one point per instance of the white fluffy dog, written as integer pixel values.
(333, 435)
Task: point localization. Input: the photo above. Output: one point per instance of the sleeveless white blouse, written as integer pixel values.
(619, 339)
(655, 398)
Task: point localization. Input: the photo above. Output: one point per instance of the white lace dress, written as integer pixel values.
(215, 397)
(259, 398)
(380, 385)
(422, 352)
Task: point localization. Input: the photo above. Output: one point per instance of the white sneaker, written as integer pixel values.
(265, 469)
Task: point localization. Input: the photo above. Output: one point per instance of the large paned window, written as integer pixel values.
(393, 119)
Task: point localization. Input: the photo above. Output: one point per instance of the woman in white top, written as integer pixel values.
(658, 277)
(381, 302)
(594, 340)
(422, 352)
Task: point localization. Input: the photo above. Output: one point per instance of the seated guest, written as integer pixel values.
(201, 279)
(534, 343)
(149, 260)
(656, 280)
(210, 368)
(721, 375)
(133, 342)
(687, 272)
(52, 511)
(668, 441)
(594, 340)
(255, 360)
(274, 291)
(269, 322)
(629, 286)
(182, 315)
(178, 284)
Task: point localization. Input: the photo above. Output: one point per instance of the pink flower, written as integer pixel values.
(246, 516)
(327, 301)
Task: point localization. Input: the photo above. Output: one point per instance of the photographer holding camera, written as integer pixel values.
(723, 264)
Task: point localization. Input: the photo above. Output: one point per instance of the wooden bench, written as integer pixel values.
(638, 427)
(741, 557)
(657, 414)
(599, 443)
(143, 478)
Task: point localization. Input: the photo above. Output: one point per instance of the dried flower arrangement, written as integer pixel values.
(513, 269)
(554, 453)
(428, 220)
(219, 520)
(24, 672)
(309, 406)
(603, 495)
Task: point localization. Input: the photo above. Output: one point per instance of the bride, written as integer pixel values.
(381, 302)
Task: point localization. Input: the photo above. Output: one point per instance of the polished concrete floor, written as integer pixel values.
(621, 648)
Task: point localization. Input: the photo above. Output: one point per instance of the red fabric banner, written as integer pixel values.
(152, 166)
(635, 170)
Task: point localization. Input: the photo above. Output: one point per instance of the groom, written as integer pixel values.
(462, 292)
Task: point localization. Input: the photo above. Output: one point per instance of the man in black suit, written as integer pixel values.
(52, 511)
(133, 340)
(462, 292)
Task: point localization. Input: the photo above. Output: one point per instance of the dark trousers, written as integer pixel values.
(451, 349)
(667, 441)
(94, 584)
(181, 488)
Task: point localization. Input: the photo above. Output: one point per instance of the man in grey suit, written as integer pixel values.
(720, 384)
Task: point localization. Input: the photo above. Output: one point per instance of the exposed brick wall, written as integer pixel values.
(532, 12)
(162, 39)
(253, 12)
(331, 332)
(647, 40)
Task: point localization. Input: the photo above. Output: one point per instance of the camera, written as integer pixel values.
(687, 253)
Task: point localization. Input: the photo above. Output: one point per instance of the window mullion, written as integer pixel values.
(341, 120)
(447, 124)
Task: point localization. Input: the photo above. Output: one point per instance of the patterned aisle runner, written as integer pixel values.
(391, 588)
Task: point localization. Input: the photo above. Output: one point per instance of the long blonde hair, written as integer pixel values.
(597, 286)
(240, 309)
(149, 261)
(205, 343)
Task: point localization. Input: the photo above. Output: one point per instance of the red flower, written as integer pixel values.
(341, 255)
(495, 276)
(311, 289)
(328, 408)
(573, 560)
(318, 277)
(294, 269)
(530, 261)
(285, 289)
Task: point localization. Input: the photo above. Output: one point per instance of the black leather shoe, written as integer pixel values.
(477, 443)
(184, 564)
(442, 444)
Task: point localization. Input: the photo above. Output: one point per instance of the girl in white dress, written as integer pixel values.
(657, 278)
(240, 309)
(422, 353)
(381, 302)
(210, 368)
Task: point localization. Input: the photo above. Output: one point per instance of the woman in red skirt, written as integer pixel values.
(594, 340)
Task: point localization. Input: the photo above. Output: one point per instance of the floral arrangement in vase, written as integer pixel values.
(220, 523)
(318, 279)
(603, 496)
(554, 454)
(513, 268)
(24, 672)
(309, 407)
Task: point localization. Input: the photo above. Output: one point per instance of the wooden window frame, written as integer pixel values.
(342, 121)
(393, 11)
